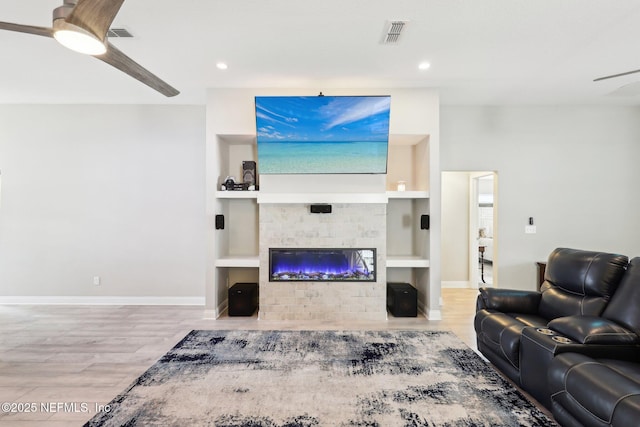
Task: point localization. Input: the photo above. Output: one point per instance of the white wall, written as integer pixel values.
(455, 228)
(109, 191)
(574, 169)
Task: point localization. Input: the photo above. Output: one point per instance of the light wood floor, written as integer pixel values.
(85, 355)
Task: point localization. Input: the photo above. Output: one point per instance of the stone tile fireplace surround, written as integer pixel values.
(292, 225)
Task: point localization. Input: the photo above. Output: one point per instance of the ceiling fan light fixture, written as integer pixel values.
(77, 39)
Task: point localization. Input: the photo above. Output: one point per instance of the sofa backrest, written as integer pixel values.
(624, 307)
(578, 282)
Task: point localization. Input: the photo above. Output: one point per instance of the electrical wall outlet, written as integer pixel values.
(96, 280)
(530, 229)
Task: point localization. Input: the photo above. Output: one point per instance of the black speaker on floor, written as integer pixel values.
(402, 299)
(248, 172)
(243, 299)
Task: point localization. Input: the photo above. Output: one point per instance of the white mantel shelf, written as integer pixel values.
(322, 198)
(237, 194)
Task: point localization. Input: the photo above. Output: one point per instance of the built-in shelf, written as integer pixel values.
(407, 262)
(238, 261)
(409, 161)
(237, 194)
(408, 194)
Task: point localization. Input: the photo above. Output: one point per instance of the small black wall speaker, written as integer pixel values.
(219, 222)
(424, 222)
(321, 209)
(249, 172)
(243, 299)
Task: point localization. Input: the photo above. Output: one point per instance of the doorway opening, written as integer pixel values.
(484, 202)
(469, 229)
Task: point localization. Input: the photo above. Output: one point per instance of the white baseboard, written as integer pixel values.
(429, 314)
(76, 300)
(434, 314)
(222, 307)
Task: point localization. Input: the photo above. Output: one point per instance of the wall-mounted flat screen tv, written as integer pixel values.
(322, 134)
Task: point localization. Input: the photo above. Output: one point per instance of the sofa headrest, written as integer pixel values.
(585, 273)
(624, 307)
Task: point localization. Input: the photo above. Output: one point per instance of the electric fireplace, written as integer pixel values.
(322, 265)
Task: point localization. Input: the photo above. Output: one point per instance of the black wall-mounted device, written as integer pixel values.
(219, 222)
(424, 222)
(321, 209)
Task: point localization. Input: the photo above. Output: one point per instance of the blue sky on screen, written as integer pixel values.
(323, 118)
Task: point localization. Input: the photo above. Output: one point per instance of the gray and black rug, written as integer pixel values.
(321, 378)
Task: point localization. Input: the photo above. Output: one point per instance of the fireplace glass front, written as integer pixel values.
(322, 265)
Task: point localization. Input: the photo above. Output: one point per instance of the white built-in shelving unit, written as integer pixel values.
(234, 251)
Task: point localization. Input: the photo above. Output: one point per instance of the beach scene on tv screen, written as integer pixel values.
(322, 134)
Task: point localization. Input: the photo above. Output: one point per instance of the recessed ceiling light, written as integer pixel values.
(221, 66)
(424, 66)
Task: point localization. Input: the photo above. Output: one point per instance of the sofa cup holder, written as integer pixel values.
(552, 334)
(561, 340)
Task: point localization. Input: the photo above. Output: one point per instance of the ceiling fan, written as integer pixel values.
(616, 75)
(82, 25)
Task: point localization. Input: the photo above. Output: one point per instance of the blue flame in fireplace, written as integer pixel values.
(322, 264)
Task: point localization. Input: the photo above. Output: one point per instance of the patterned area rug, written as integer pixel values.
(321, 378)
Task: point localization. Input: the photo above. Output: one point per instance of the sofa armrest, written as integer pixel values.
(593, 330)
(584, 388)
(508, 300)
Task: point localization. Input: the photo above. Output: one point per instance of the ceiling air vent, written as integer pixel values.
(118, 32)
(394, 30)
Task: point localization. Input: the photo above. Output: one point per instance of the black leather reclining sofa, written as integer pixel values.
(575, 344)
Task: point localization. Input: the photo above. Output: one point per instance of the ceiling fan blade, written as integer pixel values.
(29, 29)
(122, 62)
(616, 75)
(94, 15)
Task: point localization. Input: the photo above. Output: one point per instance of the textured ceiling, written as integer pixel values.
(490, 52)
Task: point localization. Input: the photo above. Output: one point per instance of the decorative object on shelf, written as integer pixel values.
(424, 222)
(230, 184)
(402, 185)
(249, 173)
(219, 222)
(323, 209)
